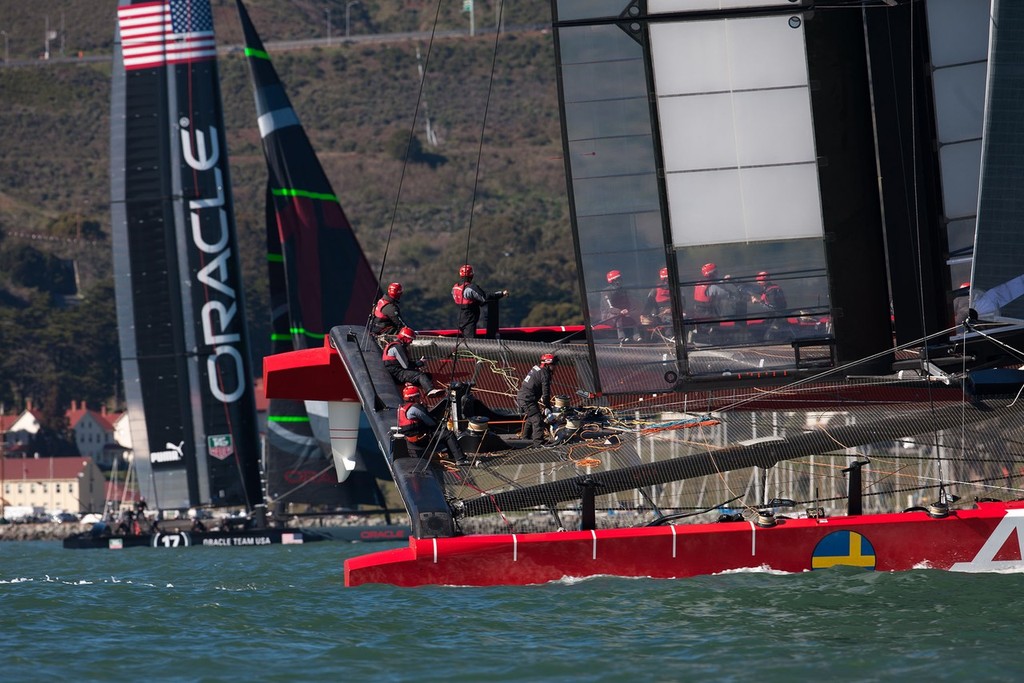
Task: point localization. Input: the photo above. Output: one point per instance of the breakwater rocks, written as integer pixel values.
(40, 532)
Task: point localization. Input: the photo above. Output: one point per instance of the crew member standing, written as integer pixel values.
(469, 298)
(421, 430)
(387, 317)
(534, 396)
(401, 368)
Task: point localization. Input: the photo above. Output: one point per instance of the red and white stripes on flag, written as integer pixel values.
(158, 33)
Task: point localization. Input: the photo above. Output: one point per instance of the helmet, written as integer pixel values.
(762, 276)
(612, 276)
(663, 273)
(707, 269)
(548, 359)
(466, 272)
(406, 334)
(964, 285)
(395, 290)
(410, 392)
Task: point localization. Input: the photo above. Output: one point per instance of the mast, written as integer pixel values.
(181, 315)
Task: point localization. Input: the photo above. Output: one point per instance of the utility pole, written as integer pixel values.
(467, 6)
(348, 9)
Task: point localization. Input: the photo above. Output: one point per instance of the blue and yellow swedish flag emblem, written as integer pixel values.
(843, 548)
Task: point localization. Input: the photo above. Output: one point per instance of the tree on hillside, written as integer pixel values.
(29, 267)
(400, 146)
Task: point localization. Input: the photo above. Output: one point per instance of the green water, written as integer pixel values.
(282, 613)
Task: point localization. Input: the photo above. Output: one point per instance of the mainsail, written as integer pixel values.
(319, 277)
(184, 344)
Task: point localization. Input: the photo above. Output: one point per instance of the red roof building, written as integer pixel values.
(72, 484)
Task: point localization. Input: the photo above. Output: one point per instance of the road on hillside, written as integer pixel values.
(289, 45)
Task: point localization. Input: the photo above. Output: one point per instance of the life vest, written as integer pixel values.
(458, 294)
(378, 310)
(405, 421)
(772, 297)
(389, 360)
(662, 295)
(702, 304)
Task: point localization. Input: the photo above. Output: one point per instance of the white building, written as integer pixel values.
(73, 484)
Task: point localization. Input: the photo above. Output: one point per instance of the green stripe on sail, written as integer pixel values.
(312, 335)
(258, 54)
(287, 418)
(278, 336)
(290, 192)
(275, 258)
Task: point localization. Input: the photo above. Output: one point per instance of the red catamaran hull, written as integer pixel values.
(988, 538)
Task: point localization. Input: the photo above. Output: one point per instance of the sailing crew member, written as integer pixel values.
(709, 296)
(535, 396)
(658, 306)
(404, 371)
(617, 306)
(771, 295)
(422, 432)
(387, 317)
(711, 300)
(469, 298)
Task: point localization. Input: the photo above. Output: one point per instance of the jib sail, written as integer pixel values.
(319, 278)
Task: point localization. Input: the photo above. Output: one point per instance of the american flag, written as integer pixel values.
(158, 33)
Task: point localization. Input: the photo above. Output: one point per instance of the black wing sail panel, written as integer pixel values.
(188, 375)
(319, 277)
(329, 280)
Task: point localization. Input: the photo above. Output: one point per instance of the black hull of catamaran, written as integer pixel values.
(362, 533)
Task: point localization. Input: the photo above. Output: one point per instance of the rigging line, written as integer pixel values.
(836, 370)
(408, 146)
(483, 127)
(292, 490)
(918, 256)
(479, 152)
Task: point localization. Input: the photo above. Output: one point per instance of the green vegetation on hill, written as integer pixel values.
(493, 195)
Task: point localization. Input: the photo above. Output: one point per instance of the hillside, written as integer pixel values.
(357, 101)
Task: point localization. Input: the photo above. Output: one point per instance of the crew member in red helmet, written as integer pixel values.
(387, 316)
(469, 298)
(658, 306)
(618, 308)
(535, 396)
(771, 295)
(421, 431)
(403, 370)
(709, 296)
